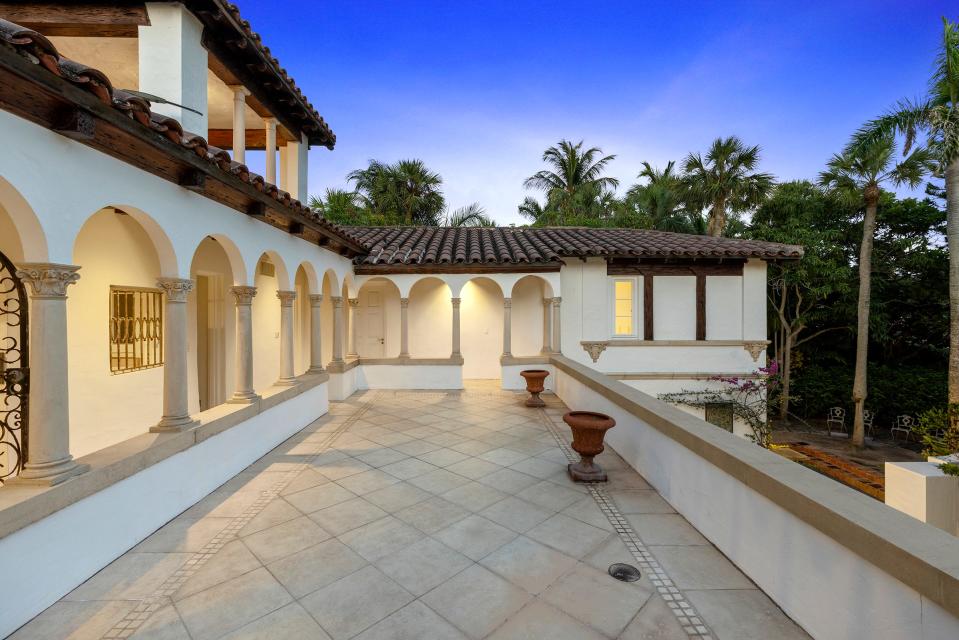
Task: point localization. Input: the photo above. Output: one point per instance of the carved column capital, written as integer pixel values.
(176, 289)
(354, 302)
(404, 303)
(286, 298)
(316, 299)
(337, 301)
(547, 302)
(243, 295)
(48, 280)
(456, 302)
(507, 303)
(557, 301)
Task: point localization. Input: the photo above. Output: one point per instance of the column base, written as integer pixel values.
(285, 382)
(168, 425)
(243, 398)
(48, 474)
(316, 369)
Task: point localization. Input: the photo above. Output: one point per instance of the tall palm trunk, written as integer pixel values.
(717, 218)
(952, 234)
(859, 386)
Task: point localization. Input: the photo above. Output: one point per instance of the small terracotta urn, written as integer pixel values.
(589, 429)
(534, 385)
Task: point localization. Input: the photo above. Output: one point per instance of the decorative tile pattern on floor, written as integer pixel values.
(161, 597)
(681, 607)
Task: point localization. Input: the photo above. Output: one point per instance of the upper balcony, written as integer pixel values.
(202, 57)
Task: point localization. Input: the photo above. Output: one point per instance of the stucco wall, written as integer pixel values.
(106, 408)
(527, 317)
(481, 328)
(430, 319)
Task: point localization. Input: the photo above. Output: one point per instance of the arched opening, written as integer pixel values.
(529, 316)
(377, 317)
(304, 285)
(430, 319)
(270, 277)
(212, 314)
(21, 236)
(481, 320)
(330, 287)
(114, 328)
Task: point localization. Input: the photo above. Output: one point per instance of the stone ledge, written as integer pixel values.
(22, 505)
(680, 375)
(406, 362)
(508, 361)
(914, 553)
(620, 342)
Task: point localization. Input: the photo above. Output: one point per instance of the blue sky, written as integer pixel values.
(478, 90)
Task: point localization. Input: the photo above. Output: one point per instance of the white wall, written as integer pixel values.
(106, 408)
(386, 376)
(527, 317)
(301, 324)
(674, 307)
(430, 319)
(481, 329)
(266, 332)
(724, 307)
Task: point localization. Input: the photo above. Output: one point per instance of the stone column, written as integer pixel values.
(287, 377)
(404, 327)
(337, 328)
(456, 328)
(557, 336)
(507, 326)
(48, 454)
(244, 393)
(176, 404)
(239, 123)
(316, 334)
(547, 325)
(354, 303)
(270, 124)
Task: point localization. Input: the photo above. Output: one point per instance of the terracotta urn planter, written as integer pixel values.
(589, 430)
(534, 385)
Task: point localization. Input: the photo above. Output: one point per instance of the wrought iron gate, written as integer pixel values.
(14, 371)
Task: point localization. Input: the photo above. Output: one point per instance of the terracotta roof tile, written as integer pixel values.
(410, 246)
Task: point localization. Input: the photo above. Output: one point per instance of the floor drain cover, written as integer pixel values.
(624, 572)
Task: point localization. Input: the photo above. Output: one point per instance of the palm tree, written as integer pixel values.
(725, 180)
(340, 206)
(532, 210)
(472, 215)
(405, 192)
(661, 198)
(937, 115)
(572, 171)
(859, 172)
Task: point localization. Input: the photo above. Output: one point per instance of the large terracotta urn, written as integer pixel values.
(534, 385)
(589, 430)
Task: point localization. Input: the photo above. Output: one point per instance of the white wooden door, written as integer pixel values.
(370, 323)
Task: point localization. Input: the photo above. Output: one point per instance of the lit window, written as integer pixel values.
(624, 308)
(136, 329)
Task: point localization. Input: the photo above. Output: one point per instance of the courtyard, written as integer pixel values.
(421, 514)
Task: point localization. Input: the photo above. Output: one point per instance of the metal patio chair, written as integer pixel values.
(868, 418)
(904, 424)
(836, 418)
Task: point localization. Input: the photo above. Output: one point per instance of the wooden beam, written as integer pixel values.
(700, 307)
(256, 210)
(648, 307)
(296, 229)
(77, 124)
(89, 19)
(679, 267)
(194, 180)
(255, 138)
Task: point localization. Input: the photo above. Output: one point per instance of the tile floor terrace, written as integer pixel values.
(421, 515)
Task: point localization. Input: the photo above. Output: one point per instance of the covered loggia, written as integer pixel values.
(115, 319)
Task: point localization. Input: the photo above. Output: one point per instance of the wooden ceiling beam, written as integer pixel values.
(90, 19)
(255, 138)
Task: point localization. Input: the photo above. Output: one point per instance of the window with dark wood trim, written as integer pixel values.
(136, 329)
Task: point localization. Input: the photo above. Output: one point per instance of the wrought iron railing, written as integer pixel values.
(136, 329)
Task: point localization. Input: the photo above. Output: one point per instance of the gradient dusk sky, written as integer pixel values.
(478, 90)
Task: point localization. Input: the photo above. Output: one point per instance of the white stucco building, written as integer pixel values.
(167, 317)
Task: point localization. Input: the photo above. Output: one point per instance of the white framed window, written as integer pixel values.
(623, 304)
